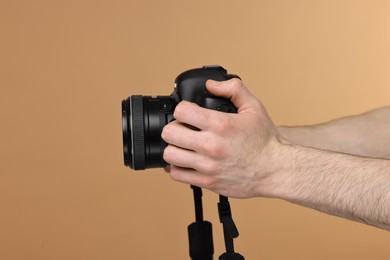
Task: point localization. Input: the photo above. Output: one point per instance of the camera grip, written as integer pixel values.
(219, 104)
(191, 86)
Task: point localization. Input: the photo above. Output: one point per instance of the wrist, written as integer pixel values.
(310, 136)
(277, 170)
(288, 177)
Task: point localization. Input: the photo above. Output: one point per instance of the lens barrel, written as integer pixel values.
(143, 118)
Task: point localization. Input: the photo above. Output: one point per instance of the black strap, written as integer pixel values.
(231, 256)
(198, 203)
(200, 233)
(229, 229)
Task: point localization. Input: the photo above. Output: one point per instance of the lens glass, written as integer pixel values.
(126, 132)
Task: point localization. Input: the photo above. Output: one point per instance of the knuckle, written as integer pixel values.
(236, 82)
(223, 125)
(208, 183)
(210, 167)
(237, 85)
(214, 149)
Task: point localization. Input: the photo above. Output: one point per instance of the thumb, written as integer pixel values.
(232, 89)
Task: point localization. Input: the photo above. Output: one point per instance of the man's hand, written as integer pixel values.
(230, 154)
(242, 155)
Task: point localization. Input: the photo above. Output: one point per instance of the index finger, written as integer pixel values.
(194, 115)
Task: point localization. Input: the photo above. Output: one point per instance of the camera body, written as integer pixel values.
(143, 117)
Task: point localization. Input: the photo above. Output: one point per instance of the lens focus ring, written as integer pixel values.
(137, 132)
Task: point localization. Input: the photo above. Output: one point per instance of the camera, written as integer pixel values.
(143, 117)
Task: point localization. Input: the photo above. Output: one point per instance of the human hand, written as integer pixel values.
(231, 154)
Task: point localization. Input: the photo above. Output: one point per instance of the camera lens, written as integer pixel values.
(143, 119)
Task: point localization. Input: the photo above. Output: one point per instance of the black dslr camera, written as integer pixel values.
(143, 117)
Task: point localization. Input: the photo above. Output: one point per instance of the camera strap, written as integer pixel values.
(230, 230)
(200, 232)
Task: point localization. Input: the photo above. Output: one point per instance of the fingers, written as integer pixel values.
(179, 157)
(206, 143)
(188, 159)
(203, 119)
(192, 177)
(194, 115)
(232, 89)
(180, 135)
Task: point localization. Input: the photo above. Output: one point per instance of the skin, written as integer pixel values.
(340, 168)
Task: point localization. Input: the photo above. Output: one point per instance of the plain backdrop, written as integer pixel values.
(65, 67)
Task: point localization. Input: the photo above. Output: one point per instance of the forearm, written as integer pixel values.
(365, 135)
(349, 186)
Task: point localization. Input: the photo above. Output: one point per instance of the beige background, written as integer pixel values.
(65, 66)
